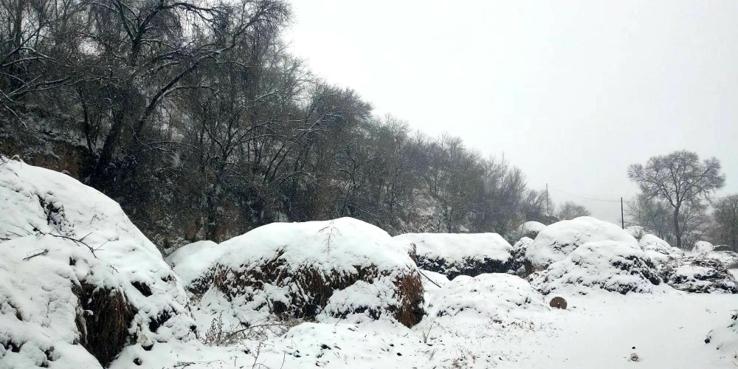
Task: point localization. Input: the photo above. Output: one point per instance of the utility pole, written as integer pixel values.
(622, 218)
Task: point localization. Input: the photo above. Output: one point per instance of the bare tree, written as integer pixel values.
(681, 180)
(571, 210)
(725, 218)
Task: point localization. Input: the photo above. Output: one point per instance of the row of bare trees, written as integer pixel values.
(193, 116)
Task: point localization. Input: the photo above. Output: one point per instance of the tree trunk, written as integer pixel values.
(677, 230)
(108, 149)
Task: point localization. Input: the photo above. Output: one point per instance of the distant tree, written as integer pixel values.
(571, 210)
(534, 206)
(725, 218)
(652, 214)
(681, 180)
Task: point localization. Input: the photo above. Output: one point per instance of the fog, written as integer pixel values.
(571, 92)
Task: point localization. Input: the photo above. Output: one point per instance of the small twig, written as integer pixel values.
(75, 240)
(428, 278)
(29, 257)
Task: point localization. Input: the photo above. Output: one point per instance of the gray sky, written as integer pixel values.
(571, 92)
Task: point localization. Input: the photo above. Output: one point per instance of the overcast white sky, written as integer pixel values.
(571, 92)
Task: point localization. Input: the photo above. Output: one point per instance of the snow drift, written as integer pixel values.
(558, 240)
(456, 254)
(305, 270)
(79, 280)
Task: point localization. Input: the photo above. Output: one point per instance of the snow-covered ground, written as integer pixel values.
(332, 294)
(600, 330)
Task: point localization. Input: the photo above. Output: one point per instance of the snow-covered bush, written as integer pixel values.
(557, 240)
(609, 265)
(699, 273)
(78, 280)
(456, 254)
(520, 265)
(293, 270)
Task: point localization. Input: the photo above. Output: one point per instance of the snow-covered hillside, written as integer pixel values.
(81, 287)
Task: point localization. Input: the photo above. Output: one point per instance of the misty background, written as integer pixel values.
(572, 92)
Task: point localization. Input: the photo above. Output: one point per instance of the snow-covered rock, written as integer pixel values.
(699, 273)
(78, 281)
(296, 270)
(456, 254)
(701, 247)
(558, 240)
(609, 265)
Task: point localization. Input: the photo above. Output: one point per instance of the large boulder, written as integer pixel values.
(608, 265)
(78, 281)
(456, 254)
(338, 268)
(558, 240)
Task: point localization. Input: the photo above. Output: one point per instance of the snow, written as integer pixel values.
(274, 269)
(659, 250)
(339, 245)
(456, 247)
(466, 303)
(191, 260)
(491, 320)
(609, 265)
(557, 240)
(701, 274)
(459, 253)
(701, 247)
(599, 330)
(42, 212)
(530, 229)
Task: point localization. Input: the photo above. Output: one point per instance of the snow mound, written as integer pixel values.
(455, 254)
(659, 250)
(701, 247)
(79, 280)
(293, 270)
(471, 305)
(699, 274)
(608, 265)
(557, 240)
(530, 229)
